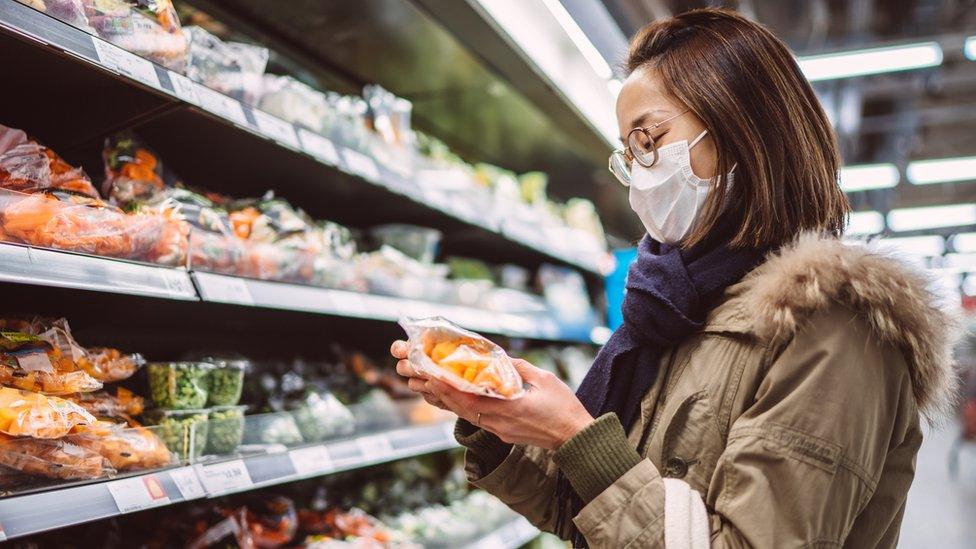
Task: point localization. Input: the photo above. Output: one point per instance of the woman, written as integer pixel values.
(766, 386)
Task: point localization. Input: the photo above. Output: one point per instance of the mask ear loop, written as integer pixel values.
(697, 139)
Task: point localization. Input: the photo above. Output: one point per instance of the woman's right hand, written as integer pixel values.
(415, 381)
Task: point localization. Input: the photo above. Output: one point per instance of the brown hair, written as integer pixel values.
(744, 84)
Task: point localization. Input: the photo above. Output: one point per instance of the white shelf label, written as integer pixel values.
(276, 128)
(226, 477)
(184, 88)
(318, 146)
(228, 289)
(349, 303)
(177, 282)
(375, 447)
(35, 362)
(188, 483)
(361, 164)
(311, 460)
(220, 104)
(126, 63)
(138, 493)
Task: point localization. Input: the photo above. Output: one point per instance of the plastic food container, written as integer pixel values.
(226, 429)
(274, 428)
(419, 243)
(322, 416)
(183, 431)
(226, 382)
(179, 385)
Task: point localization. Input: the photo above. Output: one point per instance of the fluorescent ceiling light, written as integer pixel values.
(832, 66)
(931, 217)
(868, 176)
(927, 246)
(576, 34)
(941, 170)
(965, 263)
(964, 242)
(970, 48)
(865, 223)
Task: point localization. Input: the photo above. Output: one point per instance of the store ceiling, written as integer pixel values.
(895, 117)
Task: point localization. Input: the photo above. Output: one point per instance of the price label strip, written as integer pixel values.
(126, 63)
(348, 303)
(188, 483)
(360, 164)
(184, 88)
(276, 129)
(138, 493)
(312, 460)
(227, 289)
(220, 104)
(318, 146)
(224, 478)
(375, 447)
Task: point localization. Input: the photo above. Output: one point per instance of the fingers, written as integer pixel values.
(433, 401)
(405, 369)
(417, 385)
(530, 374)
(399, 349)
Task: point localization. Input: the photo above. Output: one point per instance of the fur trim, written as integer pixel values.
(895, 298)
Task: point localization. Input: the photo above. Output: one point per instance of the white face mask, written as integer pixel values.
(668, 197)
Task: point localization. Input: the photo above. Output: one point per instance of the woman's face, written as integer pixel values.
(643, 101)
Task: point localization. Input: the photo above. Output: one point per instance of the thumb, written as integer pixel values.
(530, 374)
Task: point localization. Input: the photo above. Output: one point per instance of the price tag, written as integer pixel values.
(34, 362)
(349, 303)
(375, 447)
(226, 477)
(126, 63)
(184, 88)
(318, 146)
(361, 164)
(220, 104)
(176, 282)
(311, 460)
(276, 128)
(188, 483)
(138, 493)
(228, 289)
(437, 199)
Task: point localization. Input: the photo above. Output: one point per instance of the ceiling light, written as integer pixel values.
(931, 217)
(963, 242)
(928, 245)
(970, 48)
(832, 66)
(576, 34)
(868, 176)
(865, 223)
(941, 170)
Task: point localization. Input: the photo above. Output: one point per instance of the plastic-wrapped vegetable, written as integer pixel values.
(184, 431)
(125, 448)
(295, 102)
(31, 363)
(107, 364)
(149, 28)
(320, 416)
(226, 381)
(233, 68)
(120, 403)
(277, 428)
(71, 12)
(226, 429)
(133, 173)
(179, 385)
(465, 360)
(58, 459)
(27, 166)
(23, 413)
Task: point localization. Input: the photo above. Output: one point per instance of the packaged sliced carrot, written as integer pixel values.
(463, 359)
(27, 414)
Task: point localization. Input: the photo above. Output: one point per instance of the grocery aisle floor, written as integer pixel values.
(941, 511)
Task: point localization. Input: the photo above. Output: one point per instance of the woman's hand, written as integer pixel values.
(547, 416)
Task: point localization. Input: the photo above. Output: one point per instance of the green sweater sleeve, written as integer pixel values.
(596, 457)
(486, 449)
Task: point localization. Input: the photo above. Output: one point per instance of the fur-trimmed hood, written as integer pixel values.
(895, 298)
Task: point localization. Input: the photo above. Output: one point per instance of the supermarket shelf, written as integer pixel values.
(513, 535)
(33, 513)
(181, 117)
(27, 265)
(277, 295)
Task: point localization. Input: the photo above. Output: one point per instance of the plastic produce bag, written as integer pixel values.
(133, 173)
(149, 28)
(71, 12)
(23, 413)
(295, 102)
(58, 459)
(27, 166)
(125, 448)
(31, 363)
(465, 360)
(104, 404)
(233, 68)
(107, 364)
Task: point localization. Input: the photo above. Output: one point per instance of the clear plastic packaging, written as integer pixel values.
(31, 363)
(23, 413)
(226, 381)
(179, 385)
(110, 403)
(184, 432)
(149, 28)
(465, 360)
(295, 102)
(108, 365)
(71, 12)
(29, 167)
(55, 459)
(133, 172)
(126, 448)
(420, 243)
(233, 68)
(226, 429)
(274, 428)
(320, 416)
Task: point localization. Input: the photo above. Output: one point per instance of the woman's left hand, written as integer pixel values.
(547, 416)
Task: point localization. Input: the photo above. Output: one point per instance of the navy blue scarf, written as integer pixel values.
(669, 293)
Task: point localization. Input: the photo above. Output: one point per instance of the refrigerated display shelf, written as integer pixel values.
(512, 535)
(58, 508)
(151, 80)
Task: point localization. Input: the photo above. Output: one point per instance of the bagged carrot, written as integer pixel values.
(442, 350)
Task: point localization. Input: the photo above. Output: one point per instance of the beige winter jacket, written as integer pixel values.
(794, 413)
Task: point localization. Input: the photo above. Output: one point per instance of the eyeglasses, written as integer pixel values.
(641, 148)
